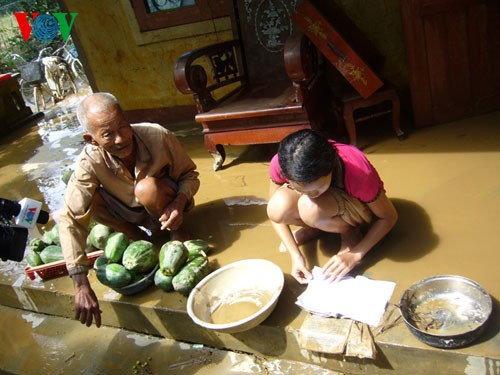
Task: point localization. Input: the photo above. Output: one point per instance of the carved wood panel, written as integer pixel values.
(263, 27)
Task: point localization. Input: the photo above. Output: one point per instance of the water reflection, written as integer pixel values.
(61, 136)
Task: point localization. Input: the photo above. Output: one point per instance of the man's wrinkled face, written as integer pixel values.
(112, 132)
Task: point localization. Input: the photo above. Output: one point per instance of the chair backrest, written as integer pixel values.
(263, 26)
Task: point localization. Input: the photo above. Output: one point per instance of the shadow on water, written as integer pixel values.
(411, 238)
(221, 221)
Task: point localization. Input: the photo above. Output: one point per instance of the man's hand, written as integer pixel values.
(173, 214)
(86, 303)
(171, 219)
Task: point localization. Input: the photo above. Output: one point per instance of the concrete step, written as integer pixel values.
(43, 344)
(159, 316)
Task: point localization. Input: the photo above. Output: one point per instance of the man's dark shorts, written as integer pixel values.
(136, 215)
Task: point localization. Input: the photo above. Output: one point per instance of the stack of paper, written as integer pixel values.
(356, 298)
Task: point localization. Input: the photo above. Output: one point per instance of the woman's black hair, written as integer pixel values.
(305, 156)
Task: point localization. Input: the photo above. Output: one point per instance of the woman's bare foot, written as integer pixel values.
(301, 236)
(350, 239)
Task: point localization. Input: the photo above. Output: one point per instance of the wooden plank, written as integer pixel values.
(416, 50)
(437, 64)
(336, 49)
(324, 335)
(459, 64)
(453, 53)
(484, 42)
(361, 343)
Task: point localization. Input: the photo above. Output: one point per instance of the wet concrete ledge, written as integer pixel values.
(156, 313)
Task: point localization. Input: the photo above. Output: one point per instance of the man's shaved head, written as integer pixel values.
(97, 103)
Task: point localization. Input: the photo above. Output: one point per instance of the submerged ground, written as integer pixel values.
(443, 180)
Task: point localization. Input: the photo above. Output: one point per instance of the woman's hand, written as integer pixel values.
(340, 265)
(299, 270)
(354, 246)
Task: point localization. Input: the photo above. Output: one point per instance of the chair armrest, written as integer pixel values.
(301, 58)
(223, 62)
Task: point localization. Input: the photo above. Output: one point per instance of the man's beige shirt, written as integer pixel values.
(158, 154)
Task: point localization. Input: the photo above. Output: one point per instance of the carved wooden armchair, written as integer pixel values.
(259, 87)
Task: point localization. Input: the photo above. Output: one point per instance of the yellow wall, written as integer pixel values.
(136, 67)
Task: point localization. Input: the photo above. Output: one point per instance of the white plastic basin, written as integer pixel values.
(236, 297)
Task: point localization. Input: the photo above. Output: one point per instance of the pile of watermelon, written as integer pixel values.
(124, 262)
(46, 249)
(182, 265)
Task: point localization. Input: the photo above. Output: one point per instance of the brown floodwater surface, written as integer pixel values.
(443, 181)
(33, 158)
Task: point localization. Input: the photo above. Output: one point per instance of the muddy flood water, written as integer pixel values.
(33, 160)
(443, 180)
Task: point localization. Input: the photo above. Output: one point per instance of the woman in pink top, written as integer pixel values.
(322, 185)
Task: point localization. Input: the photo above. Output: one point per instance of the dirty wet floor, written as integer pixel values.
(64, 346)
(443, 181)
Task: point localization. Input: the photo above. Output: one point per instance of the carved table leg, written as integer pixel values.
(219, 156)
(350, 123)
(396, 109)
(217, 151)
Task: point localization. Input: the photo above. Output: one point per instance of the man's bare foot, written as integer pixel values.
(301, 236)
(350, 239)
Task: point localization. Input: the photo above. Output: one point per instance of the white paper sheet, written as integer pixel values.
(356, 298)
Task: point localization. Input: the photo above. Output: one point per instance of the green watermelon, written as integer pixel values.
(33, 259)
(173, 255)
(101, 261)
(115, 246)
(51, 237)
(190, 275)
(136, 277)
(37, 245)
(196, 247)
(113, 275)
(140, 257)
(163, 281)
(99, 235)
(51, 253)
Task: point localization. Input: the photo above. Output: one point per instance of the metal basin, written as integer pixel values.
(446, 311)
